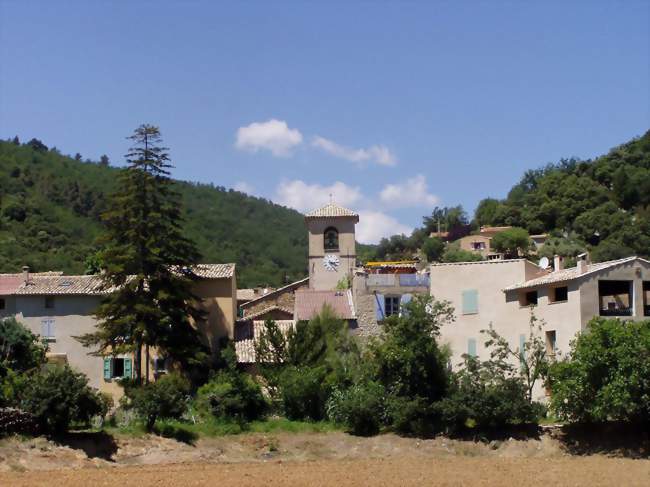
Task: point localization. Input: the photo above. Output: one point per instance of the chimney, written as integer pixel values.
(26, 274)
(558, 263)
(583, 262)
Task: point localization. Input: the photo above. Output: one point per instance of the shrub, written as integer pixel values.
(232, 395)
(606, 375)
(164, 398)
(20, 349)
(412, 416)
(483, 395)
(361, 408)
(59, 397)
(304, 392)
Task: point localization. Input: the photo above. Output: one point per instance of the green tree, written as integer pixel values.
(147, 263)
(512, 242)
(433, 248)
(486, 212)
(453, 253)
(20, 349)
(165, 398)
(606, 376)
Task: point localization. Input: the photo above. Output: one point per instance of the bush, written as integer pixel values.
(413, 416)
(361, 408)
(20, 349)
(59, 397)
(304, 392)
(484, 397)
(606, 375)
(164, 398)
(232, 395)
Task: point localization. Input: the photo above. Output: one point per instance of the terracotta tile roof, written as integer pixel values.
(59, 285)
(331, 210)
(248, 333)
(214, 271)
(309, 303)
(9, 283)
(280, 290)
(571, 273)
(261, 312)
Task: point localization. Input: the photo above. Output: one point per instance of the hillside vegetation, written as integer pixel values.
(50, 207)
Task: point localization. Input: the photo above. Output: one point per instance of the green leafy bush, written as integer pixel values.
(484, 396)
(164, 398)
(304, 392)
(20, 349)
(607, 374)
(361, 408)
(59, 397)
(232, 395)
(413, 416)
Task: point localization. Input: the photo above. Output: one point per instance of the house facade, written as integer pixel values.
(59, 308)
(502, 294)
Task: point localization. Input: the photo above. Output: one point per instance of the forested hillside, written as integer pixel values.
(50, 207)
(600, 205)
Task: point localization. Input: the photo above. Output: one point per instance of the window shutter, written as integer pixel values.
(380, 307)
(471, 347)
(44, 329)
(50, 328)
(522, 347)
(470, 301)
(127, 368)
(107, 368)
(403, 301)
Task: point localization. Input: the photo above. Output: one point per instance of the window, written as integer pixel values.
(331, 239)
(391, 306)
(47, 329)
(2, 303)
(471, 347)
(159, 366)
(559, 294)
(615, 298)
(528, 298)
(49, 302)
(117, 368)
(646, 298)
(470, 302)
(551, 339)
(478, 245)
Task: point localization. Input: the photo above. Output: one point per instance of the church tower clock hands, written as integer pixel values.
(332, 245)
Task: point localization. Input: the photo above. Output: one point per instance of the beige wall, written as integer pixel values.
(466, 243)
(319, 277)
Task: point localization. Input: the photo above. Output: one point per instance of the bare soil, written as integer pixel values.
(306, 459)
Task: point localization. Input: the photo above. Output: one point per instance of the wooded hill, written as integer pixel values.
(50, 207)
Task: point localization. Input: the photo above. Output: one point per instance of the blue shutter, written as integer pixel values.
(471, 347)
(380, 307)
(107, 368)
(470, 302)
(403, 301)
(127, 368)
(522, 347)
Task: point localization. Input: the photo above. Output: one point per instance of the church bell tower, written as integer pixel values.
(332, 246)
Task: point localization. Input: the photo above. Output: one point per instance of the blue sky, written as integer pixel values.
(392, 106)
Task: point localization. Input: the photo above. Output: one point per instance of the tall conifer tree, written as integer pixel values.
(147, 263)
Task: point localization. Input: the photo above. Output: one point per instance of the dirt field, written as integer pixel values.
(286, 459)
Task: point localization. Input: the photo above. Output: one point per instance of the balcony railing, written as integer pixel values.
(616, 312)
(398, 280)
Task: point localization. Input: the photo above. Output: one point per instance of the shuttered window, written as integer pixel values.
(471, 347)
(470, 302)
(380, 310)
(47, 329)
(404, 300)
(118, 368)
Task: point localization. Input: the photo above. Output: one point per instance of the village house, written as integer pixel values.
(481, 243)
(59, 307)
(502, 294)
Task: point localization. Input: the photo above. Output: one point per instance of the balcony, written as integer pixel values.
(398, 280)
(617, 312)
(615, 298)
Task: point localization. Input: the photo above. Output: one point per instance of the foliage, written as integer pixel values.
(59, 397)
(271, 353)
(20, 349)
(606, 376)
(60, 200)
(361, 407)
(453, 253)
(304, 392)
(486, 396)
(164, 398)
(232, 395)
(147, 262)
(433, 248)
(532, 360)
(512, 242)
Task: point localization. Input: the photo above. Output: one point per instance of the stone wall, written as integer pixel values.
(284, 299)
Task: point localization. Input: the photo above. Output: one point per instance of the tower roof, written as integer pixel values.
(331, 210)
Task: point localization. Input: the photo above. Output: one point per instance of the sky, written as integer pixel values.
(390, 107)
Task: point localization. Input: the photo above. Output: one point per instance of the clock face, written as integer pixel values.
(331, 262)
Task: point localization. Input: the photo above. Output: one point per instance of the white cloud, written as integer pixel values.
(411, 193)
(304, 197)
(244, 187)
(374, 225)
(376, 153)
(273, 135)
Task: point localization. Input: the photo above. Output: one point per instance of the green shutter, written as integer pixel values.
(470, 302)
(471, 347)
(107, 368)
(127, 368)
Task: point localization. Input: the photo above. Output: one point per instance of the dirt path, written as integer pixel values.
(402, 471)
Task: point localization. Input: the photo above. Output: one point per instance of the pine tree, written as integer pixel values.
(147, 263)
